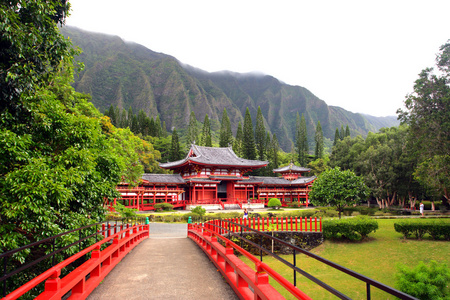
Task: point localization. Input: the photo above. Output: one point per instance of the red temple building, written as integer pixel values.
(215, 178)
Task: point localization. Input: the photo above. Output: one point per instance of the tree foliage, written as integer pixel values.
(427, 113)
(301, 140)
(424, 281)
(319, 150)
(338, 188)
(226, 136)
(249, 149)
(206, 139)
(260, 135)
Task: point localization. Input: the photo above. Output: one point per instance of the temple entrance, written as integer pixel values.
(222, 190)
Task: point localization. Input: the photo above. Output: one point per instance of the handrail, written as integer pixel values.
(224, 227)
(51, 241)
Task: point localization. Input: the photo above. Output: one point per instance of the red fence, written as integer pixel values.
(272, 224)
(97, 267)
(246, 282)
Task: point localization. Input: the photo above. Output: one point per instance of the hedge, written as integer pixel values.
(437, 229)
(354, 229)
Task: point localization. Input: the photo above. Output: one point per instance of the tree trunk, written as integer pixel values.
(379, 203)
(433, 208)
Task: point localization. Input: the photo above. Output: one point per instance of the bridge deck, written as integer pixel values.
(166, 266)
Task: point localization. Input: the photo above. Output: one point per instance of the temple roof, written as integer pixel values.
(214, 156)
(280, 180)
(291, 167)
(163, 178)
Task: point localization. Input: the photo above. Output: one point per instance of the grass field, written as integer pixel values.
(376, 258)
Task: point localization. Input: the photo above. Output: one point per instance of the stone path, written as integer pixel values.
(166, 266)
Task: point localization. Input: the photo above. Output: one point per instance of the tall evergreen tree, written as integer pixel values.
(336, 137)
(226, 136)
(124, 119)
(260, 135)
(342, 133)
(249, 149)
(267, 171)
(192, 129)
(163, 129)
(130, 118)
(275, 148)
(174, 147)
(206, 133)
(302, 142)
(319, 141)
(347, 131)
(158, 129)
(238, 141)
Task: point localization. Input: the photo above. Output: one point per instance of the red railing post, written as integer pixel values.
(296, 224)
(291, 224)
(277, 223)
(315, 222)
(258, 224)
(321, 224)
(306, 223)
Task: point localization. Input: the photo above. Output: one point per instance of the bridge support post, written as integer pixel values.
(53, 283)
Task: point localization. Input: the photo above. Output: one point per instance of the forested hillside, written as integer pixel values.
(128, 75)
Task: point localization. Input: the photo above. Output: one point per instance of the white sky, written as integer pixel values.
(363, 56)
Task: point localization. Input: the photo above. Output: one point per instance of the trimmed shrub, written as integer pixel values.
(163, 206)
(353, 229)
(424, 281)
(274, 203)
(437, 229)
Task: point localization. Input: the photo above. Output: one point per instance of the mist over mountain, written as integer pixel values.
(127, 75)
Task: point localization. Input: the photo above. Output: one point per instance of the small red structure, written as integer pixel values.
(215, 178)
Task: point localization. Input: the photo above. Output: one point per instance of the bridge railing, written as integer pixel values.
(108, 243)
(213, 235)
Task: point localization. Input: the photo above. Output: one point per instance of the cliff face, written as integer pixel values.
(130, 75)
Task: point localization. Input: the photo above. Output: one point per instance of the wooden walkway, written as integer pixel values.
(168, 265)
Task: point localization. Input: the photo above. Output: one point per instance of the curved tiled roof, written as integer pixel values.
(163, 178)
(281, 181)
(291, 167)
(224, 156)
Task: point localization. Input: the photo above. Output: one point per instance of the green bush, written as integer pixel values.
(357, 228)
(163, 206)
(125, 212)
(424, 281)
(198, 210)
(437, 229)
(274, 203)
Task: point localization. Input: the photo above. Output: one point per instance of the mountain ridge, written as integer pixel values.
(127, 74)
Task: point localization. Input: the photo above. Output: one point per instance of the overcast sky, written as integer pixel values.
(363, 56)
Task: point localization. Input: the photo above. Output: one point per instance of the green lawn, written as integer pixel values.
(375, 258)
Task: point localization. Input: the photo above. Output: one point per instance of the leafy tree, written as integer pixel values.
(31, 51)
(347, 131)
(319, 141)
(192, 129)
(206, 133)
(318, 166)
(238, 141)
(226, 136)
(424, 281)
(260, 135)
(427, 113)
(249, 139)
(338, 188)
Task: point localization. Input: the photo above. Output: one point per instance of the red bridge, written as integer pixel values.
(173, 268)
